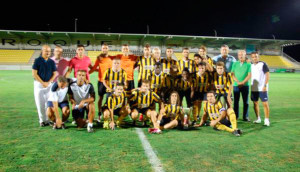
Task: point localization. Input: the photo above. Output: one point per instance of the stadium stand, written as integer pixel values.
(15, 56)
(276, 61)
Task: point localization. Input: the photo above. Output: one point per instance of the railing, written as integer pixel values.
(290, 58)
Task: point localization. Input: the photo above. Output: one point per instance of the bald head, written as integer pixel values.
(46, 51)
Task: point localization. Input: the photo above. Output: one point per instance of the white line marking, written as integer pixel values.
(153, 159)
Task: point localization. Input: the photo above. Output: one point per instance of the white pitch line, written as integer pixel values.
(153, 159)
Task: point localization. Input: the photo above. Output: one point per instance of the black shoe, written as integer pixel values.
(193, 123)
(44, 124)
(246, 119)
(207, 123)
(236, 133)
(240, 131)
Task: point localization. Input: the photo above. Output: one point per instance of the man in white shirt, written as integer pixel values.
(82, 97)
(58, 98)
(259, 87)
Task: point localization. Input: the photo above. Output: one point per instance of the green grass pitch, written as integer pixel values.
(24, 146)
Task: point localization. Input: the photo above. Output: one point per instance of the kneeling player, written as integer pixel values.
(141, 102)
(168, 118)
(221, 118)
(82, 97)
(115, 105)
(58, 98)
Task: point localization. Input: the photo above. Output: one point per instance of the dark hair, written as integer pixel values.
(81, 70)
(120, 84)
(197, 55)
(202, 64)
(211, 91)
(125, 45)
(104, 44)
(170, 48)
(224, 45)
(157, 64)
(80, 45)
(185, 49)
(254, 52)
(186, 70)
(145, 81)
(147, 46)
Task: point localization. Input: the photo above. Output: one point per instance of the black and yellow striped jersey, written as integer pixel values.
(167, 64)
(115, 102)
(146, 65)
(189, 64)
(172, 111)
(224, 81)
(213, 110)
(158, 82)
(183, 85)
(202, 83)
(141, 100)
(113, 78)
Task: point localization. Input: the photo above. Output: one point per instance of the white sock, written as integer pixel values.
(266, 119)
(258, 118)
(90, 124)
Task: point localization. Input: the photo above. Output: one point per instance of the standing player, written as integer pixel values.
(203, 83)
(170, 82)
(82, 97)
(128, 62)
(145, 64)
(79, 62)
(221, 118)
(58, 98)
(156, 54)
(169, 118)
(157, 80)
(185, 62)
(205, 58)
(115, 105)
(142, 100)
(185, 87)
(223, 83)
(113, 76)
(168, 61)
(60, 62)
(103, 62)
(44, 72)
(260, 76)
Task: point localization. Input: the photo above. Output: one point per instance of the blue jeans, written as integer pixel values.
(245, 95)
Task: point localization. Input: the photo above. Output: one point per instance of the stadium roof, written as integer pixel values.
(143, 37)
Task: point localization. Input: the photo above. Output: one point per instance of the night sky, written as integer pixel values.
(244, 18)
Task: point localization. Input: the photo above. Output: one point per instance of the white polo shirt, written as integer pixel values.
(81, 92)
(57, 94)
(258, 76)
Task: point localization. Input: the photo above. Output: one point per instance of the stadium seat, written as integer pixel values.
(15, 56)
(179, 56)
(93, 54)
(276, 61)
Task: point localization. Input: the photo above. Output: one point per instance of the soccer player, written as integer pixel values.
(79, 62)
(115, 105)
(224, 57)
(241, 74)
(157, 80)
(60, 62)
(169, 118)
(185, 62)
(220, 118)
(203, 82)
(185, 87)
(58, 99)
(128, 62)
(205, 58)
(113, 76)
(142, 100)
(44, 73)
(168, 61)
(145, 64)
(197, 60)
(102, 63)
(260, 76)
(82, 97)
(223, 83)
(156, 52)
(170, 82)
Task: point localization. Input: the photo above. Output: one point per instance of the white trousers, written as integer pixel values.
(41, 96)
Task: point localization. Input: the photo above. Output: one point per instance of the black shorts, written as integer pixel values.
(60, 105)
(79, 113)
(225, 122)
(255, 95)
(165, 121)
(187, 95)
(101, 89)
(200, 96)
(130, 85)
(143, 111)
(116, 111)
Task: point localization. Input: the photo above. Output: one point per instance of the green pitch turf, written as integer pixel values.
(24, 146)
